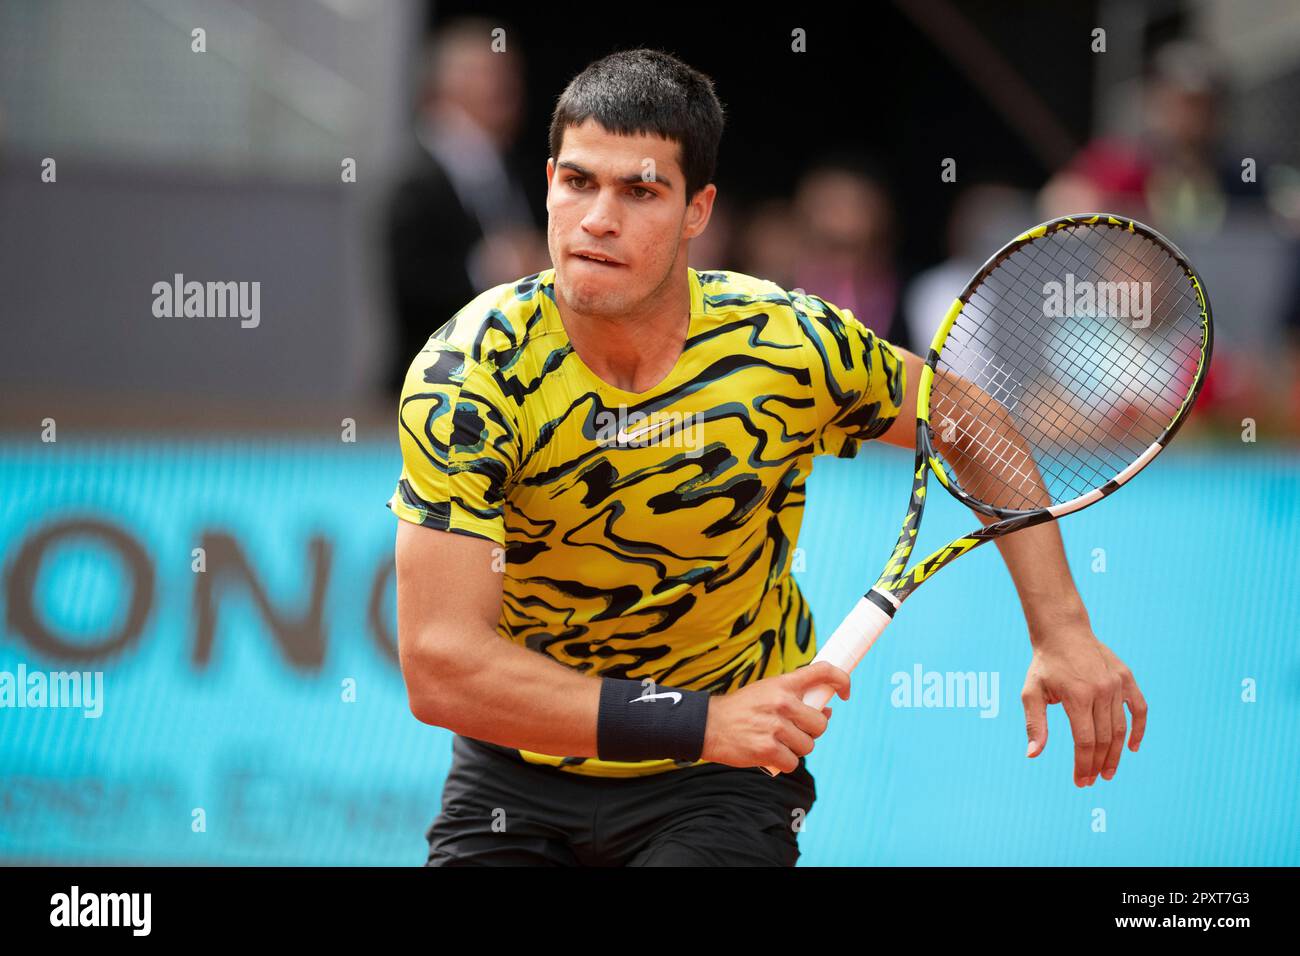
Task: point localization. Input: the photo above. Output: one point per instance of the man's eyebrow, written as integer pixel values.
(632, 180)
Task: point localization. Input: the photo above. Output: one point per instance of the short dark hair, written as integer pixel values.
(647, 91)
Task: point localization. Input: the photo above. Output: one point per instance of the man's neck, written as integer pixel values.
(634, 352)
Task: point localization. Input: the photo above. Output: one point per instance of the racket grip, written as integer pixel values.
(847, 646)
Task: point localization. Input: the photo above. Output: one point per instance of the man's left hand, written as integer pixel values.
(1071, 667)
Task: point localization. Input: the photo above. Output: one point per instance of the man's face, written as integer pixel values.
(622, 198)
(1183, 117)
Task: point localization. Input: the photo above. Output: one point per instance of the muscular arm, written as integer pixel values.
(1070, 666)
(1034, 556)
(460, 673)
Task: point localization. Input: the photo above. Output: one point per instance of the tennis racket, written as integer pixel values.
(1066, 365)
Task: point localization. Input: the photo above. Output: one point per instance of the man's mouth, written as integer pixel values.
(596, 259)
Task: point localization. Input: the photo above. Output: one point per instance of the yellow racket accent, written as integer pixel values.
(927, 380)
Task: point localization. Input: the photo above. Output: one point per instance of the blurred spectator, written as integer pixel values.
(1172, 173)
(983, 219)
(1292, 370)
(1176, 174)
(458, 221)
(845, 226)
(768, 242)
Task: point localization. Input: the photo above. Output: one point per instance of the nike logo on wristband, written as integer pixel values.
(677, 698)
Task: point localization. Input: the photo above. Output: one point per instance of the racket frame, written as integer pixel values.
(896, 583)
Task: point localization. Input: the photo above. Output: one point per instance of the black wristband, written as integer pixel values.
(649, 723)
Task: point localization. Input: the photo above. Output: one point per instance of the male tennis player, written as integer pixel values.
(603, 482)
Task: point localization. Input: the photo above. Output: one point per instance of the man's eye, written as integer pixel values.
(574, 181)
(642, 189)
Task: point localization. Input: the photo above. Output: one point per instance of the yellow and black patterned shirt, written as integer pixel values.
(645, 534)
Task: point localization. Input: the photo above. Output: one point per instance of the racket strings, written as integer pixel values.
(1151, 369)
(1036, 401)
(1071, 351)
(1072, 365)
(1054, 416)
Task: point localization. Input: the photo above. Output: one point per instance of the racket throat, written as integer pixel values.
(883, 600)
(851, 641)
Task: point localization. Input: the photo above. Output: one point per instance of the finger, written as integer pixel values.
(1137, 705)
(1118, 728)
(1085, 737)
(784, 760)
(1034, 701)
(822, 672)
(800, 743)
(1101, 715)
(809, 719)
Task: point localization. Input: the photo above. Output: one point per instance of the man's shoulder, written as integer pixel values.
(786, 315)
(725, 289)
(728, 290)
(497, 322)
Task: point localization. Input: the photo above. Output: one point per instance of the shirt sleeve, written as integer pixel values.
(458, 445)
(857, 377)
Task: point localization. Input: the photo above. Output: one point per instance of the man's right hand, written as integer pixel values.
(766, 723)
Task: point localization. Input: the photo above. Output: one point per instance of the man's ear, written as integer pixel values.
(699, 210)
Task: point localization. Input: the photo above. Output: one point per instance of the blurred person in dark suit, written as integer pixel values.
(845, 223)
(458, 221)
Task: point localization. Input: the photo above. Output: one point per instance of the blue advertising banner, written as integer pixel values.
(198, 666)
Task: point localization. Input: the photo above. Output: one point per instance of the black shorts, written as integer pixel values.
(499, 810)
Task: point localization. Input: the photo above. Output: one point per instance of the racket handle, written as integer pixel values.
(847, 646)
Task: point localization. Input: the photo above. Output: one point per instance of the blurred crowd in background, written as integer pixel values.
(218, 156)
(458, 221)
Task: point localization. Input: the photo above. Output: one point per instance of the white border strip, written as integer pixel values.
(1083, 501)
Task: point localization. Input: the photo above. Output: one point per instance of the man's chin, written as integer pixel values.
(591, 296)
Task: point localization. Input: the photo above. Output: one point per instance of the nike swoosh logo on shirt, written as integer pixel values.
(624, 437)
